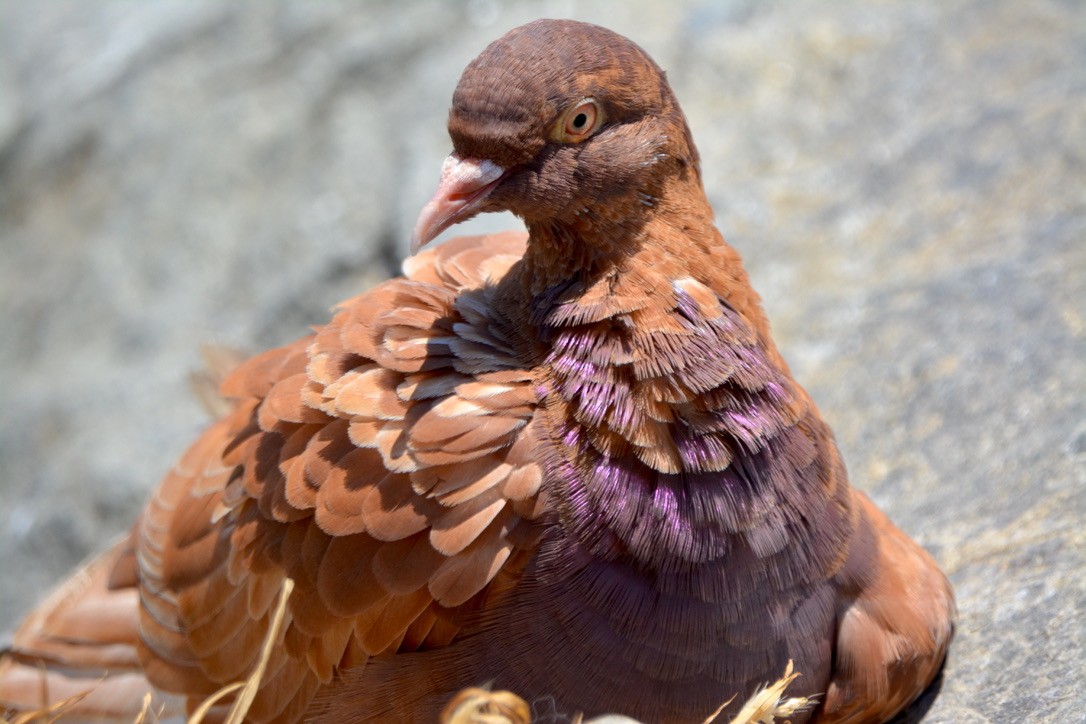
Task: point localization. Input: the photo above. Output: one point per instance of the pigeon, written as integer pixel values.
(569, 463)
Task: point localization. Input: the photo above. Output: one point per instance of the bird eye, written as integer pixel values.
(579, 122)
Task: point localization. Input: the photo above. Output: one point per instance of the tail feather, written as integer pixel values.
(77, 649)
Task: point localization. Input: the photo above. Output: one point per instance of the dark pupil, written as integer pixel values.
(579, 120)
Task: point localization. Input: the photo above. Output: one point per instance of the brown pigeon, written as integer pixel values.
(570, 464)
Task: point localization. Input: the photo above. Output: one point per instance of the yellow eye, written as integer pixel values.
(579, 122)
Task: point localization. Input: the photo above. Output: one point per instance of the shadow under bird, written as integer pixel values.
(571, 464)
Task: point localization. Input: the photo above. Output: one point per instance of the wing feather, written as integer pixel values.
(895, 626)
(385, 463)
(403, 567)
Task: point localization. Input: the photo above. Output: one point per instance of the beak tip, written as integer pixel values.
(429, 224)
(464, 184)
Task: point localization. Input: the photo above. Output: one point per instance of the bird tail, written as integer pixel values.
(75, 654)
(219, 362)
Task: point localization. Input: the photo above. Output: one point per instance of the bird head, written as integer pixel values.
(554, 120)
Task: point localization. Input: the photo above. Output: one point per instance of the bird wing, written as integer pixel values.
(385, 463)
(894, 626)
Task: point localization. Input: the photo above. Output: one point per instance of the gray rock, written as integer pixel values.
(905, 180)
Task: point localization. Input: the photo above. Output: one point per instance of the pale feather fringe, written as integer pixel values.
(471, 706)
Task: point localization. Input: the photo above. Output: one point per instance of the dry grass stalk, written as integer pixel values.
(206, 704)
(250, 686)
(145, 710)
(50, 713)
(768, 705)
(479, 706)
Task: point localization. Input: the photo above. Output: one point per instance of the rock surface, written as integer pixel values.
(906, 180)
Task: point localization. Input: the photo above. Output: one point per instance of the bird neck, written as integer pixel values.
(618, 231)
(662, 392)
(636, 246)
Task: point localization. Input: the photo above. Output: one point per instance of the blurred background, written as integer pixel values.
(906, 180)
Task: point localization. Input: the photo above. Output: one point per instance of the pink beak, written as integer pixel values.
(465, 184)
